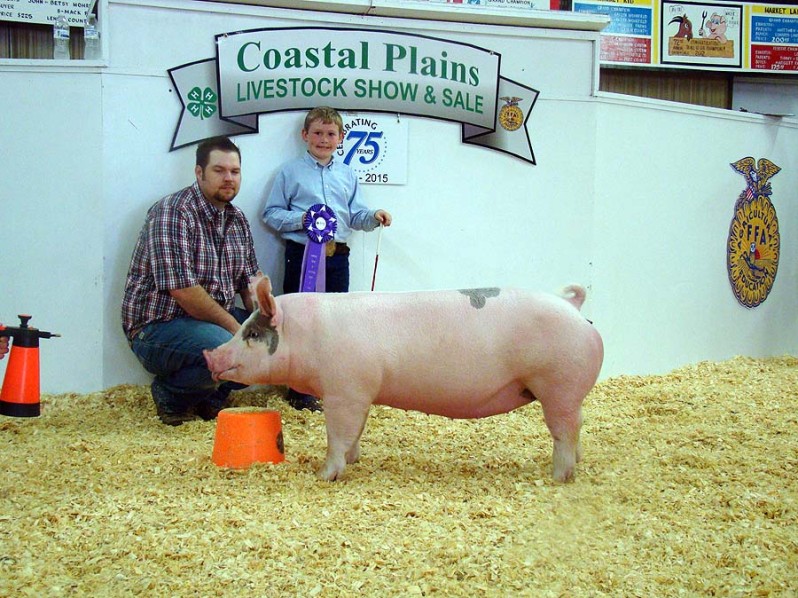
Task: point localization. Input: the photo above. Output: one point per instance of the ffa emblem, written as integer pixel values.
(752, 250)
(511, 117)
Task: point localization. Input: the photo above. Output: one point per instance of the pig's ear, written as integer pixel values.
(266, 302)
(253, 284)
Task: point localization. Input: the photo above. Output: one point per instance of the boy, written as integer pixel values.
(318, 177)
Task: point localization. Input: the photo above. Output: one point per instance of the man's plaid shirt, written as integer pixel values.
(185, 242)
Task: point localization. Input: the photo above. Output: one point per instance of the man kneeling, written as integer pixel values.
(193, 255)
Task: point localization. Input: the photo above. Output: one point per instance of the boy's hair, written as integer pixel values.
(215, 143)
(327, 115)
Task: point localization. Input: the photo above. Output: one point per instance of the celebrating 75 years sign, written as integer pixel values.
(274, 70)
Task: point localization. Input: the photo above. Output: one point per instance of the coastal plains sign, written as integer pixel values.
(275, 70)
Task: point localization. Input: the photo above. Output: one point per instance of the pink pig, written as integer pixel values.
(460, 354)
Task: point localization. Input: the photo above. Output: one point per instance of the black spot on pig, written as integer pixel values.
(260, 330)
(479, 297)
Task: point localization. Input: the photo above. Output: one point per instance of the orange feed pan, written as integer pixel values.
(247, 435)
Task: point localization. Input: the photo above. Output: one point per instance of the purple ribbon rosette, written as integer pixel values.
(320, 224)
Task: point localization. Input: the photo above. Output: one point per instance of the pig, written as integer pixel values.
(460, 354)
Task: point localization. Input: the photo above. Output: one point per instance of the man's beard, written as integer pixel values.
(223, 196)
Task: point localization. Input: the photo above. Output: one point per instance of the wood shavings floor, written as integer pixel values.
(688, 487)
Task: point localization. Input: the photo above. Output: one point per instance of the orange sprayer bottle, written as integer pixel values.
(20, 394)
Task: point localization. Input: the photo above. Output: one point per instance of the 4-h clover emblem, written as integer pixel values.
(202, 104)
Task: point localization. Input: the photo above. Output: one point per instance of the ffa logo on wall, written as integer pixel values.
(511, 117)
(752, 250)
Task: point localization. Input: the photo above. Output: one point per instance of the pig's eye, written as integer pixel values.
(253, 334)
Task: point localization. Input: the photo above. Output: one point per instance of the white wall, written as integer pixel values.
(772, 96)
(51, 219)
(630, 198)
(664, 202)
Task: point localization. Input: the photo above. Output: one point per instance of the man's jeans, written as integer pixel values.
(172, 351)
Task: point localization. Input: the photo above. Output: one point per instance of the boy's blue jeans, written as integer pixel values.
(172, 351)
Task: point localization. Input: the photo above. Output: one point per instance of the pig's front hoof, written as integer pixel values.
(330, 472)
(564, 476)
(327, 476)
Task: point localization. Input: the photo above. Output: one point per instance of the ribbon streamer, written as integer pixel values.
(320, 224)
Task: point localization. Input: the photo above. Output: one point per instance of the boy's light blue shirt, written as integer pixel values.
(304, 182)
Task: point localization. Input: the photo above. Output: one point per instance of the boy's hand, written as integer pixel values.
(383, 217)
(3, 346)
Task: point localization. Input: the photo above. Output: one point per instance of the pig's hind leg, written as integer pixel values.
(562, 411)
(564, 427)
(345, 420)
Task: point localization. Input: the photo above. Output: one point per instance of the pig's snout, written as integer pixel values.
(217, 364)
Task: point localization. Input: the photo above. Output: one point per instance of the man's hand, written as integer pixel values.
(201, 306)
(3, 345)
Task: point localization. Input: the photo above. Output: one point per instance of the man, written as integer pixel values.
(193, 255)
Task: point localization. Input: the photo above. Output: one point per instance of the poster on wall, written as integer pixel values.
(375, 147)
(701, 34)
(629, 35)
(513, 4)
(713, 35)
(774, 38)
(45, 12)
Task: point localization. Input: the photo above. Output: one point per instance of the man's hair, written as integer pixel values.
(327, 115)
(214, 143)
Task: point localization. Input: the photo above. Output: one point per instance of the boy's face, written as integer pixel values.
(322, 140)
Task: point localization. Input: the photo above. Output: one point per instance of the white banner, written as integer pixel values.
(274, 70)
